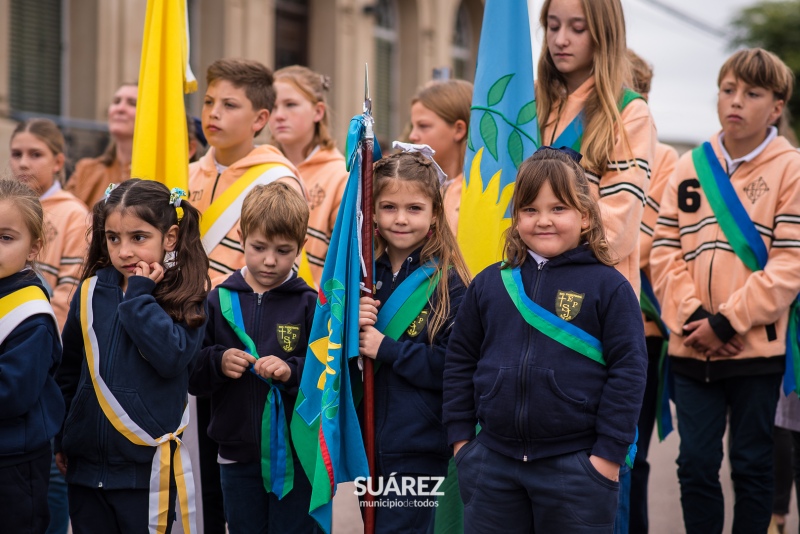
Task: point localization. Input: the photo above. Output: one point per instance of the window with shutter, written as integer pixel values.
(35, 49)
(462, 46)
(385, 68)
(291, 33)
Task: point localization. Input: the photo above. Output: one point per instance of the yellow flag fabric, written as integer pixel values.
(160, 140)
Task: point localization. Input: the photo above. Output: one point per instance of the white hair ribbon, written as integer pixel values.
(426, 151)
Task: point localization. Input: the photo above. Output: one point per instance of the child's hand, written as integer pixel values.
(731, 348)
(457, 446)
(369, 340)
(607, 468)
(235, 362)
(702, 337)
(153, 271)
(273, 367)
(61, 462)
(367, 311)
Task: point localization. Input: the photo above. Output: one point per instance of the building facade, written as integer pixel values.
(64, 59)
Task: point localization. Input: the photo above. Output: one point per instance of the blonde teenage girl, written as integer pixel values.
(583, 103)
(37, 159)
(300, 126)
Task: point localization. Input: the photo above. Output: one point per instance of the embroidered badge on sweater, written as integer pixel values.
(288, 336)
(415, 328)
(568, 304)
(756, 189)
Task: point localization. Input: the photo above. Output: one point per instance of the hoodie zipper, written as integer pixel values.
(255, 382)
(521, 414)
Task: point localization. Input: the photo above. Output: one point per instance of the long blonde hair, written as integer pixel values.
(441, 245)
(611, 71)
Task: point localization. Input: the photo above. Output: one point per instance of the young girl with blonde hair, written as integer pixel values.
(440, 118)
(37, 159)
(583, 102)
(299, 124)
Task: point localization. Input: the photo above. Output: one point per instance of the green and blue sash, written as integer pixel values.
(556, 329)
(746, 242)
(277, 462)
(652, 310)
(572, 136)
(407, 301)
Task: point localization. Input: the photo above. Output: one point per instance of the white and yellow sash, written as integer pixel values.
(223, 213)
(125, 425)
(21, 304)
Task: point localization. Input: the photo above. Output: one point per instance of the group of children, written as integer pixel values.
(533, 375)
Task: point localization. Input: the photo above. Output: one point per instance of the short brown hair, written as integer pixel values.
(641, 73)
(276, 210)
(760, 68)
(254, 77)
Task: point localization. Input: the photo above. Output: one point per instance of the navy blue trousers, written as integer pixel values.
(23, 495)
(558, 494)
(703, 409)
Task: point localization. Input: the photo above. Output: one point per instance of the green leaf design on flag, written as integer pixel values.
(515, 149)
(488, 130)
(498, 89)
(469, 143)
(527, 113)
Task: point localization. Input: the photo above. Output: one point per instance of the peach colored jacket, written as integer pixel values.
(66, 221)
(205, 186)
(325, 177)
(621, 190)
(663, 168)
(91, 178)
(693, 265)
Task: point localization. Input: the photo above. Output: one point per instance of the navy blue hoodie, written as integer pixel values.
(145, 358)
(31, 407)
(533, 397)
(237, 405)
(409, 434)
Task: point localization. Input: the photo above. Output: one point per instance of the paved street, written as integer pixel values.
(665, 508)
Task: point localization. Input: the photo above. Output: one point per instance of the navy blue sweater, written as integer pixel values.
(237, 405)
(144, 359)
(410, 436)
(31, 407)
(533, 397)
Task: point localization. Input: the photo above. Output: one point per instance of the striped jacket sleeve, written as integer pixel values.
(666, 161)
(623, 187)
(672, 281)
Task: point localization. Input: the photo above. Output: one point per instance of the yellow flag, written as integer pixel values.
(304, 270)
(160, 140)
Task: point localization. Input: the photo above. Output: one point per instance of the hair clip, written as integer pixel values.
(573, 155)
(108, 192)
(175, 195)
(426, 151)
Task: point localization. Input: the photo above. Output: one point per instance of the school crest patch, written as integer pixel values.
(418, 324)
(288, 336)
(568, 304)
(755, 189)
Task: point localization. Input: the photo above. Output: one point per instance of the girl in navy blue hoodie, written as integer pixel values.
(31, 408)
(420, 279)
(134, 328)
(548, 355)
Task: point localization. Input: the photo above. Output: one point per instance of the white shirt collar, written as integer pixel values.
(55, 188)
(540, 260)
(733, 164)
(220, 168)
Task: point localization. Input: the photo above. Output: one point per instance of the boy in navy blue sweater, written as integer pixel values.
(548, 360)
(251, 363)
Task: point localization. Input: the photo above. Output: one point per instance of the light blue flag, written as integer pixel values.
(325, 428)
(503, 130)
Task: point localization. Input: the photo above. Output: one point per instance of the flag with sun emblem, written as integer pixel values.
(325, 428)
(503, 130)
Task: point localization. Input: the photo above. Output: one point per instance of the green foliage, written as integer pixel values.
(775, 26)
